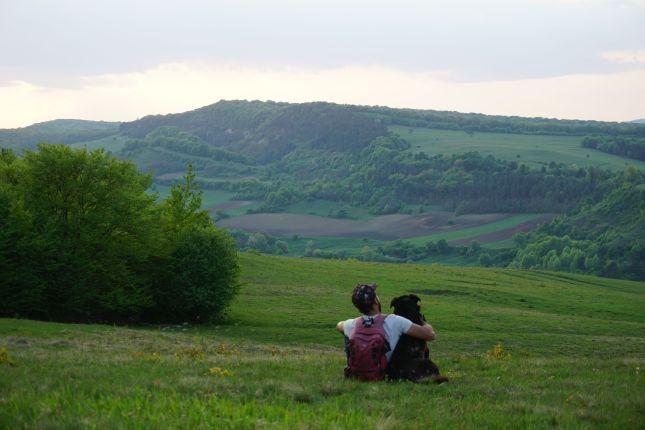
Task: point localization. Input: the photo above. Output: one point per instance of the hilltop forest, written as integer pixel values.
(358, 159)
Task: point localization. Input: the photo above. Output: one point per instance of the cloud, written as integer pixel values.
(625, 57)
(177, 87)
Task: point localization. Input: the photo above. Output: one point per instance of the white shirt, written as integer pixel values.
(394, 326)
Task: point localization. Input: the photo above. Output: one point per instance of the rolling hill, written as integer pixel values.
(338, 174)
(570, 353)
(66, 131)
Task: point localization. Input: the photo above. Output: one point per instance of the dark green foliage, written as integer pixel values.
(260, 241)
(88, 225)
(176, 140)
(81, 238)
(485, 260)
(606, 238)
(385, 177)
(617, 145)
(202, 272)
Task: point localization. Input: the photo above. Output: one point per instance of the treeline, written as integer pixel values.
(617, 145)
(81, 239)
(606, 238)
(259, 241)
(176, 140)
(474, 122)
(397, 251)
(402, 251)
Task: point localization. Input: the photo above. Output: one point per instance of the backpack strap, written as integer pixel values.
(365, 321)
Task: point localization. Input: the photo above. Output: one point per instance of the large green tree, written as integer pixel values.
(82, 239)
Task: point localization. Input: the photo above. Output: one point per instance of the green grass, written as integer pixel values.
(210, 198)
(533, 149)
(576, 345)
(466, 233)
(111, 143)
(323, 208)
(352, 245)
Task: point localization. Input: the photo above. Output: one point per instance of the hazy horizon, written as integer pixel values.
(118, 61)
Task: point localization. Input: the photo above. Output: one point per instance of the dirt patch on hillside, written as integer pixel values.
(385, 227)
(496, 236)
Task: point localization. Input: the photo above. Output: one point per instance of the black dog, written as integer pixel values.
(411, 358)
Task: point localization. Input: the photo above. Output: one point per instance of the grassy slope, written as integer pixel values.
(533, 149)
(577, 345)
(111, 143)
(210, 198)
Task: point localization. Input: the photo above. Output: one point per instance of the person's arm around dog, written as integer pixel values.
(423, 332)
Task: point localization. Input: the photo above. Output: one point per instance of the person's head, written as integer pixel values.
(365, 299)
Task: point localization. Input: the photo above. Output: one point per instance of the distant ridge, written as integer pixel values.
(67, 125)
(637, 121)
(56, 131)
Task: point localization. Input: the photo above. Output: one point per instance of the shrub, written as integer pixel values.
(201, 277)
(82, 240)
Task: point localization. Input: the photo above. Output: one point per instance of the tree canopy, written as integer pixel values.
(83, 240)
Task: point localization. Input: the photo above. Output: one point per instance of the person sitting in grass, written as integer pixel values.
(371, 338)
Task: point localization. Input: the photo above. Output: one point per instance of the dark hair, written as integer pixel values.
(364, 297)
(364, 308)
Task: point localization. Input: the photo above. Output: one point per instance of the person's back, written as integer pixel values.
(367, 348)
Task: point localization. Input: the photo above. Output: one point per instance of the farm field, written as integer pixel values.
(492, 232)
(571, 350)
(418, 229)
(383, 227)
(534, 150)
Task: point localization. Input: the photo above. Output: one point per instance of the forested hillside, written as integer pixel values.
(623, 146)
(606, 238)
(270, 157)
(268, 131)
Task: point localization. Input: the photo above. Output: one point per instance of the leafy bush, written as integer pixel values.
(201, 281)
(81, 239)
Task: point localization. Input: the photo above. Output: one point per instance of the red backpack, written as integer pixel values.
(367, 348)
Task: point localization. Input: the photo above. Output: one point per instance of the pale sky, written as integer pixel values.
(119, 60)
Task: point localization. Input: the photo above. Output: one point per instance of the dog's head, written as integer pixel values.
(408, 306)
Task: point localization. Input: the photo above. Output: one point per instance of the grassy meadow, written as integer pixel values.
(523, 349)
(533, 150)
(110, 143)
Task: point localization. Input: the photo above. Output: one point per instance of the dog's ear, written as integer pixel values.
(394, 302)
(414, 298)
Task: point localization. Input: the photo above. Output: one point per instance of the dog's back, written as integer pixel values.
(410, 359)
